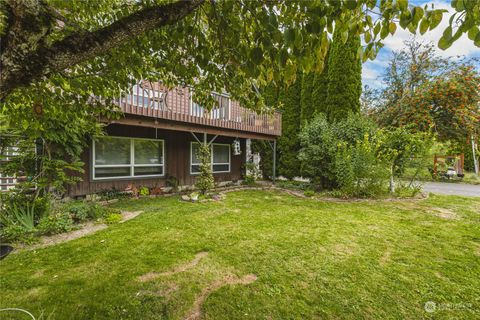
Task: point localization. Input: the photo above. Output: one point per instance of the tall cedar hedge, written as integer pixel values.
(307, 105)
(335, 91)
(320, 84)
(288, 142)
(344, 77)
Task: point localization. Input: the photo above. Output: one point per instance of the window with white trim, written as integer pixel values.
(117, 157)
(220, 158)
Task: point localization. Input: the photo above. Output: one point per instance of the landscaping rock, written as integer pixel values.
(217, 197)
(167, 189)
(185, 198)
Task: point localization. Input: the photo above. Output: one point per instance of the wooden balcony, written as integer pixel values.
(155, 101)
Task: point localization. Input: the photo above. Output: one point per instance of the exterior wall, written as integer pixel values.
(177, 161)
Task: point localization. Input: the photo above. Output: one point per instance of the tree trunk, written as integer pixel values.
(26, 56)
(392, 181)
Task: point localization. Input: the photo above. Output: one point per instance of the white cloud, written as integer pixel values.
(371, 76)
(369, 73)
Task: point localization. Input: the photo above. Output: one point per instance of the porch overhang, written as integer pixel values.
(150, 122)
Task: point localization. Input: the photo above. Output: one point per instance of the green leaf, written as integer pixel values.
(392, 27)
(283, 56)
(444, 43)
(459, 5)
(477, 40)
(344, 35)
(290, 35)
(405, 19)
(384, 32)
(424, 26)
(256, 54)
(435, 19)
(402, 4)
(351, 4)
(447, 34)
(417, 14)
(367, 37)
(472, 33)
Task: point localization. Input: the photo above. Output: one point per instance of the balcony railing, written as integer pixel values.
(178, 104)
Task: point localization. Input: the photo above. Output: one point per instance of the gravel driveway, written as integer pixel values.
(457, 189)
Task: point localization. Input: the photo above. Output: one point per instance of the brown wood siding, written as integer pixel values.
(177, 161)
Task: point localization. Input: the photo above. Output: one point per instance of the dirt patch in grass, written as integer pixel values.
(129, 215)
(165, 291)
(195, 312)
(344, 250)
(181, 268)
(86, 229)
(443, 213)
(385, 258)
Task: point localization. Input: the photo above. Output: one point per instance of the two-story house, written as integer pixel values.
(159, 133)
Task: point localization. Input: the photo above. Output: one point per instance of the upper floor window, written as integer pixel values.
(220, 158)
(117, 157)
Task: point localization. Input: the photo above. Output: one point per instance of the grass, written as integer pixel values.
(312, 259)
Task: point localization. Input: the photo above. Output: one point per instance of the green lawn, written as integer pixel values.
(312, 260)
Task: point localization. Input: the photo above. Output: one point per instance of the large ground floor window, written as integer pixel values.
(220, 160)
(117, 157)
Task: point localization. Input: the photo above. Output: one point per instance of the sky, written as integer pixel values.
(373, 70)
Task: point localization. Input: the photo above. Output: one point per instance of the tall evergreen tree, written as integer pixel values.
(320, 84)
(288, 143)
(314, 93)
(307, 103)
(344, 77)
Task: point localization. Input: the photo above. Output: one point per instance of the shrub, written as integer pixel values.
(113, 218)
(79, 210)
(55, 223)
(172, 182)
(144, 191)
(23, 216)
(407, 189)
(14, 201)
(358, 172)
(96, 211)
(318, 151)
(113, 194)
(293, 184)
(309, 193)
(342, 156)
(252, 173)
(82, 210)
(16, 233)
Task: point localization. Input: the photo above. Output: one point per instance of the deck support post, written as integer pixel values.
(274, 167)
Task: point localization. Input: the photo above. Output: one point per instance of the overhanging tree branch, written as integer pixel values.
(20, 71)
